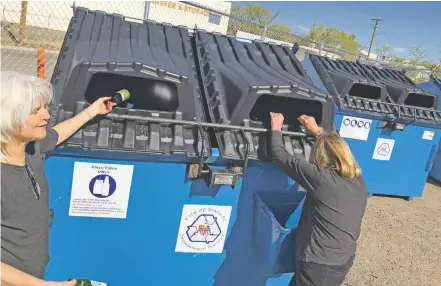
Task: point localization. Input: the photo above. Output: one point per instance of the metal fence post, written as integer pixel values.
(265, 28)
(146, 10)
(23, 14)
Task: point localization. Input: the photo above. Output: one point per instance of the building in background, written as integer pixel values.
(56, 15)
(177, 13)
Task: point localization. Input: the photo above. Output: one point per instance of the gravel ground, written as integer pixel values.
(400, 242)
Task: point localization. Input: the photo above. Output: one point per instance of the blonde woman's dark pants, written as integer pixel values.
(312, 274)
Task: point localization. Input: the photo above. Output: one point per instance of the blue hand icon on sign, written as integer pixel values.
(102, 186)
(204, 229)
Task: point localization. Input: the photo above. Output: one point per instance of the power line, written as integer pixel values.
(377, 20)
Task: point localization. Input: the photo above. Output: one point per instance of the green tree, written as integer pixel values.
(417, 55)
(318, 33)
(251, 12)
(331, 36)
(384, 52)
(260, 16)
(396, 62)
(281, 33)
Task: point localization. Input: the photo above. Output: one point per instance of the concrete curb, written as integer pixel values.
(2, 47)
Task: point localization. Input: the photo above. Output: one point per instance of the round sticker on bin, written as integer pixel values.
(367, 125)
(358, 123)
(353, 123)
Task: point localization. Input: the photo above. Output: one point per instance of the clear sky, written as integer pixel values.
(408, 24)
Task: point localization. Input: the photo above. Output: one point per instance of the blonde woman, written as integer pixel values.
(329, 226)
(25, 139)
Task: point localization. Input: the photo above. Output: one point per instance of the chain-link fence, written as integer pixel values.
(27, 26)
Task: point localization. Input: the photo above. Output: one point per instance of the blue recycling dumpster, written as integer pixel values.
(391, 126)
(434, 85)
(175, 186)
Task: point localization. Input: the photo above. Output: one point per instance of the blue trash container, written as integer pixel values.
(272, 211)
(391, 126)
(164, 192)
(434, 85)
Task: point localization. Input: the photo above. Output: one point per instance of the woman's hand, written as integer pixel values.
(100, 106)
(310, 124)
(276, 121)
(67, 128)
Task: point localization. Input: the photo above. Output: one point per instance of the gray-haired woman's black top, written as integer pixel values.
(331, 218)
(25, 219)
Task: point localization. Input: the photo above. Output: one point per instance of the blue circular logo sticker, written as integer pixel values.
(354, 123)
(367, 125)
(102, 186)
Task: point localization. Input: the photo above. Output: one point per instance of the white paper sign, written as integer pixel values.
(100, 190)
(428, 135)
(383, 149)
(203, 228)
(355, 128)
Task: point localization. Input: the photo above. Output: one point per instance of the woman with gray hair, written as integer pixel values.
(25, 139)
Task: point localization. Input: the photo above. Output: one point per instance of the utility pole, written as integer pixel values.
(373, 35)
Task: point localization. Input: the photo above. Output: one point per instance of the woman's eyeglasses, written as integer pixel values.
(35, 186)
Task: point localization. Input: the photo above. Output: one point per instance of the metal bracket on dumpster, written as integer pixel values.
(211, 175)
(395, 126)
(215, 176)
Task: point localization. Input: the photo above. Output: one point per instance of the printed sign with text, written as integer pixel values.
(355, 128)
(100, 190)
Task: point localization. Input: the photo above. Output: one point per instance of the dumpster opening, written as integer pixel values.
(291, 108)
(365, 91)
(145, 94)
(420, 100)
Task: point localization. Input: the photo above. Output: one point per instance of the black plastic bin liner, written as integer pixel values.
(103, 53)
(243, 82)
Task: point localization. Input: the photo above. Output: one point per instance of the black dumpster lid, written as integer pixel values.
(243, 81)
(382, 92)
(103, 53)
(401, 88)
